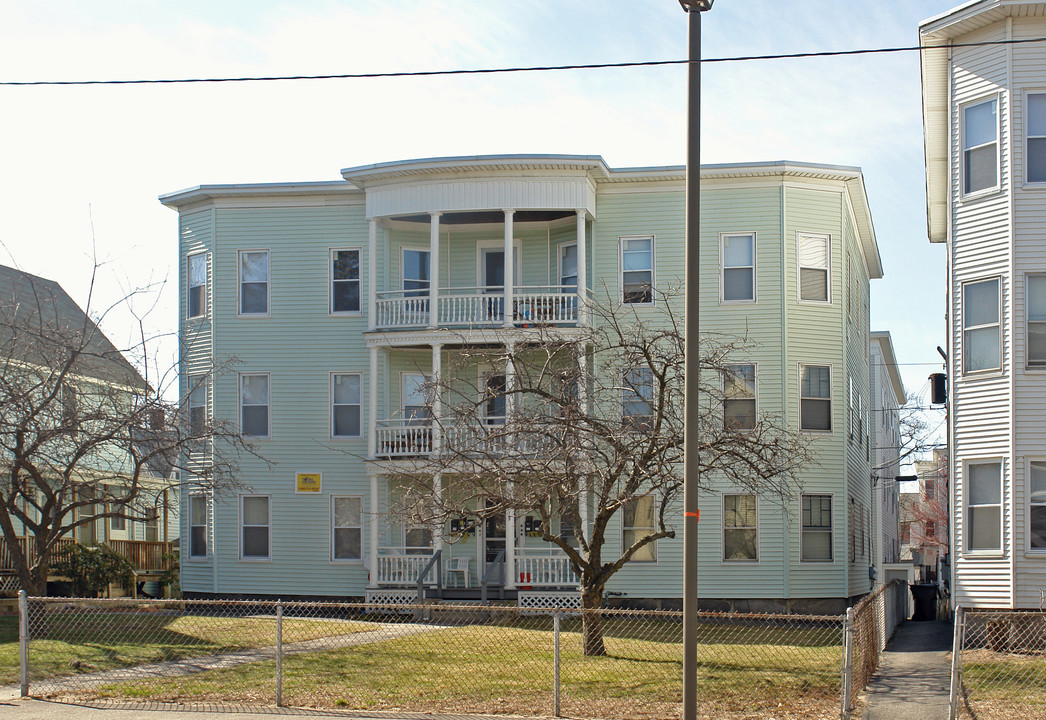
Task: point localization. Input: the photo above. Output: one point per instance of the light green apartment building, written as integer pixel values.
(339, 299)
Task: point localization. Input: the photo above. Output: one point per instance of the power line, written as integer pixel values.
(520, 69)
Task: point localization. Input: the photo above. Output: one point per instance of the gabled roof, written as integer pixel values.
(938, 32)
(38, 320)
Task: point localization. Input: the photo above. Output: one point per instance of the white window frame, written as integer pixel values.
(963, 150)
(830, 399)
(334, 406)
(628, 388)
(621, 267)
(743, 561)
(559, 265)
(331, 280)
(426, 378)
(1028, 137)
(799, 235)
(967, 523)
(189, 285)
(267, 526)
(1029, 363)
(198, 388)
(192, 525)
(625, 529)
(754, 398)
(723, 236)
(831, 529)
(997, 368)
(268, 404)
(1030, 549)
(240, 281)
(334, 528)
(415, 292)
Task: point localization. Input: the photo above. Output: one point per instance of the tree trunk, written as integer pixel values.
(592, 622)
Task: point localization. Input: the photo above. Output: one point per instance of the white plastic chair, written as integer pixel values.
(461, 565)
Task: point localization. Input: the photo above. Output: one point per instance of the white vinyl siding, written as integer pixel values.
(981, 330)
(737, 280)
(254, 282)
(740, 529)
(345, 282)
(254, 405)
(346, 528)
(739, 397)
(255, 523)
(984, 507)
(637, 270)
(980, 146)
(346, 405)
(815, 281)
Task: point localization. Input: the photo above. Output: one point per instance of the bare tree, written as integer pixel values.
(85, 436)
(583, 425)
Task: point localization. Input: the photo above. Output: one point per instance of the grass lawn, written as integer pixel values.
(79, 642)
(1010, 682)
(510, 670)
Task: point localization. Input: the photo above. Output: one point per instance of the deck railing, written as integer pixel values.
(532, 305)
(144, 555)
(535, 569)
(396, 567)
(403, 438)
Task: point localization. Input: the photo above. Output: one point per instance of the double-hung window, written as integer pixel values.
(254, 405)
(637, 270)
(1035, 299)
(415, 272)
(740, 534)
(980, 146)
(196, 290)
(814, 253)
(346, 405)
(637, 398)
(254, 282)
(817, 528)
(568, 267)
(1037, 509)
(983, 519)
(638, 522)
(1035, 138)
(738, 258)
(197, 526)
(815, 397)
(346, 528)
(981, 330)
(345, 281)
(254, 526)
(197, 404)
(739, 397)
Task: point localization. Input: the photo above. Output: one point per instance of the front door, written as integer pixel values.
(494, 544)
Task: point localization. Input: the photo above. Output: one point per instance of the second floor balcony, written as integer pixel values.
(470, 307)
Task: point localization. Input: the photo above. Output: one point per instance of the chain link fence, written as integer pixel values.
(999, 664)
(873, 621)
(444, 657)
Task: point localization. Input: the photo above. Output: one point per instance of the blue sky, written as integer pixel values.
(88, 162)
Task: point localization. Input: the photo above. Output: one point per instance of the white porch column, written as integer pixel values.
(433, 269)
(373, 532)
(510, 382)
(437, 500)
(372, 276)
(582, 398)
(437, 404)
(372, 405)
(582, 275)
(510, 546)
(510, 269)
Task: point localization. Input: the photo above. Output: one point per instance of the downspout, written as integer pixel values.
(1012, 485)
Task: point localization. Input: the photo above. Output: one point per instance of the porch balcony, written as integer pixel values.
(399, 438)
(476, 307)
(531, 568)
(145, 556)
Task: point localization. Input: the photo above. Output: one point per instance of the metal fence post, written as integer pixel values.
(555, 628)
(23, 641)
(848, 653)
(279, 653)
(957, 643)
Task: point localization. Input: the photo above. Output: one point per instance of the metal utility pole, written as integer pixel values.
(691, 469)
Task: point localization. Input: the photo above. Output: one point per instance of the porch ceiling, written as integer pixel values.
(490, 217)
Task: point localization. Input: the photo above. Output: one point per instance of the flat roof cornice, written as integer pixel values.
(180, 198)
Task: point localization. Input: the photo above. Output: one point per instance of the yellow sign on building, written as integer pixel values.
(308, 482)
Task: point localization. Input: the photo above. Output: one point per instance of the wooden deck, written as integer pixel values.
(147, 557)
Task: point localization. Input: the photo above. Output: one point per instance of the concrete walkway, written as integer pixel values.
(913, 678)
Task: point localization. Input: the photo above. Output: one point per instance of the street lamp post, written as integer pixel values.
(692, 364)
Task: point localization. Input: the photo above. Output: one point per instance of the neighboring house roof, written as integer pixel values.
(38, 319)
(936, 32)
(885, 342)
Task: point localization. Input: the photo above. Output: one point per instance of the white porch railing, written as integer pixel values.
(478, 306)
(402, 438)
(395, 567)
(544, 570)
